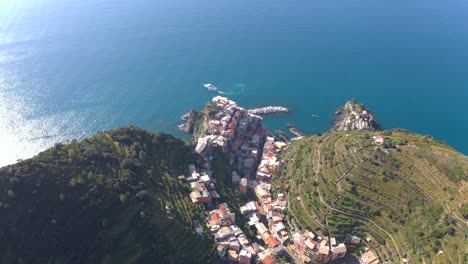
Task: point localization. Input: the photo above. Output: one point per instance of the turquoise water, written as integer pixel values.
(71, 68)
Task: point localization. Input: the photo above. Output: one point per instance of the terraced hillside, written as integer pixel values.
(408, 195)
(102, 200)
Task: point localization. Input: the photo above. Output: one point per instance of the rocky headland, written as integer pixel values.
(354, 116)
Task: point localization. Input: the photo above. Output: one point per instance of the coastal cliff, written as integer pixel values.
(112, 198)
(200, 126)
(121, 196)
(190, 117)
(354, 116)
(225, 128)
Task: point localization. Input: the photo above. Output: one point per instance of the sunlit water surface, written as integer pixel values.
(71, 68)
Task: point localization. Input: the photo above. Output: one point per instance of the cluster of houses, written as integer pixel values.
(269, 162)
(267, 222)
(203, 188)
(233, 244)
(236, 132)
(272, 230)
(313, 248)
(265, 214)
(276, 232)
(241, 136)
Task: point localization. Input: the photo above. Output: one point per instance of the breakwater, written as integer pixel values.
(268, 110)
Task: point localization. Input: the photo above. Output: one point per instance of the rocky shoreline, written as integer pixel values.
(190, 117)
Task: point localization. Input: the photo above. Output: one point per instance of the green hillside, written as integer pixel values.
(102, 200)
(408, 195)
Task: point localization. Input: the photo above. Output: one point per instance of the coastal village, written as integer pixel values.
(253, 155)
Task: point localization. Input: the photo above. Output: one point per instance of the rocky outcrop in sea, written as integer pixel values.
(190, 118)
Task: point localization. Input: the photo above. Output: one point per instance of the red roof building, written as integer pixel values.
(268, 260)
(271, 241)
(215, 216)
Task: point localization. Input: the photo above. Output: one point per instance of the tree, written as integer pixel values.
(464, 211)
(123, 198)
(141, 195)
(14, 180)
(142, 155)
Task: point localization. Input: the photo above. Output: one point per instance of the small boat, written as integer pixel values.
(295, 131)
(210, 87)
(282, 135)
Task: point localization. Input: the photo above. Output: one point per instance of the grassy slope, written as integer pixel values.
(414, 193)
(101, 201)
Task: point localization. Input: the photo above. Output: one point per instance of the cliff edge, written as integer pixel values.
(112, 198)
(354, 116)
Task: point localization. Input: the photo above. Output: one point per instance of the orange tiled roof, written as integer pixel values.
(215, 216)
(268, 260)
(271, 241)
(222, 210)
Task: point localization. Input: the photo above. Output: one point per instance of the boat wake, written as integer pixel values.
(235, 90)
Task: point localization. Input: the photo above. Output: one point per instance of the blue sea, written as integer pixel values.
(69, 68)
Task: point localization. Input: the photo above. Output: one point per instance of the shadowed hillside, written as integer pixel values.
(102, 200)
(407, 195)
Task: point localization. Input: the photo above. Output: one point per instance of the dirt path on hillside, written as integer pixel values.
(317, 170)
(310, 213)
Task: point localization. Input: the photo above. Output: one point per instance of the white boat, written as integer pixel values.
(210, 87)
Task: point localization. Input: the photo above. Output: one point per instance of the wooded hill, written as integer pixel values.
(408, 195)
(103, 200)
